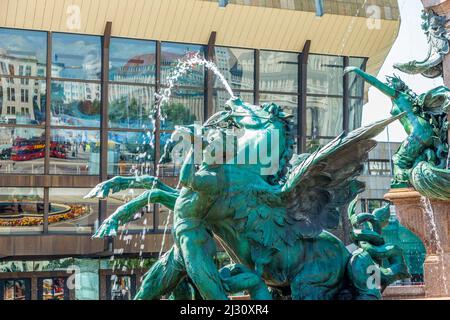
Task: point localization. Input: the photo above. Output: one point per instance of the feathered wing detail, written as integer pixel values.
(430, 181)
(324, 183)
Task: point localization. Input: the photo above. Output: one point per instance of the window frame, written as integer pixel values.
(85, 181)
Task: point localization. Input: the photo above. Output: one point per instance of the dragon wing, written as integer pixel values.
(323, 183)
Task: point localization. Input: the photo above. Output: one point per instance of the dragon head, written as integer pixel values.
(240, 114)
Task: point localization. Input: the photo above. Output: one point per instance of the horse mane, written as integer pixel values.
(289, 134)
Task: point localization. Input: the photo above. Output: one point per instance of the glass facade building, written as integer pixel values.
(72, 107)
(76, 110)
(76, 104)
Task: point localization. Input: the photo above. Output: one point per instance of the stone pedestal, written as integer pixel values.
(413, 212)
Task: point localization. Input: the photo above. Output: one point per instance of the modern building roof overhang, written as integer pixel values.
(342, 30)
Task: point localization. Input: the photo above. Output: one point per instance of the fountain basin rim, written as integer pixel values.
(399, 194)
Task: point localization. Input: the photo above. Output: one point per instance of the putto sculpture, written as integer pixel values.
(434, 27)
(270, 218)
(422, 160)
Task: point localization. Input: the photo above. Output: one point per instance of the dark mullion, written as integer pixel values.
(302, 91)
(132, 84)
(113, 129)
(46, 210)
(23, 77)
(320, 95)
(346, 122)
(75, 128)
(157, 129)
(157, 89)
(209, 78)
(256, 77)
(279, 93)
(345, 105)
(103, 170)
(356, 97)
(199, 88)
(235, 90)
(77, 80)
(30, 126)
(364, 65)
(48, 93)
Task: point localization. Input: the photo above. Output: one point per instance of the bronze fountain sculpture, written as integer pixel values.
(273, 220)
(272, 224)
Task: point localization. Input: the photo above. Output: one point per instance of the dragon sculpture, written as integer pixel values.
(272, 223)
(422, 160)
(434, 27)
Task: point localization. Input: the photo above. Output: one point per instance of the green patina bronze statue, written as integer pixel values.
(435, 29)
(270, 219)
(423, 158)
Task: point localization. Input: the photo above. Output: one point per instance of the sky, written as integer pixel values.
(411, 44)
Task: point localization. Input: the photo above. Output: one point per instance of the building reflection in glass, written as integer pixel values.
(75, 104)
(132, 60)
(76, 56)
(22, 150)
(130, 107)
(75, 152)
(236, 65)
(21, 210)
(130, 153)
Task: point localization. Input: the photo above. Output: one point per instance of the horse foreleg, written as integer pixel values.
(116, 184)
(125, 213)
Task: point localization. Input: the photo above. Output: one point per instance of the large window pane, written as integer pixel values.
(75, 152)
(220, 97)
(75, 104)
(325, 74)
(70, 212)
(356, 83)
(21, 210)
(287, 102)
(17, 289)
(54, 289)
(121, 287)
(324, 116)
(278, 71)
(378, 168)
(132, 60)
(22, 150)
(143, 219)
(130, 106)
(184, 108)
(130, 153)
(171, 54)
(23, 52)
(355, 113)
(172, 168)
(76, 56)
(22, 101)
(237, 66)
